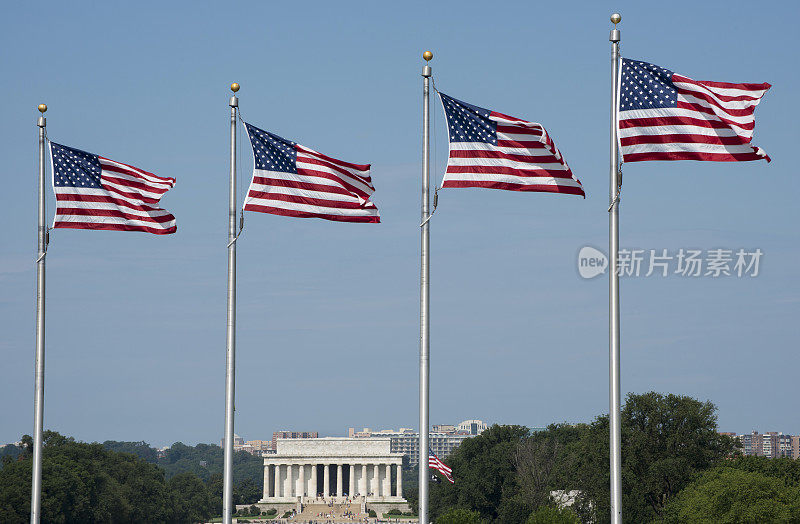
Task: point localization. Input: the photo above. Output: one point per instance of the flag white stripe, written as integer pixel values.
(100, 192)
(676, 129)
(686, 146)
(688, 113)
(306, 193)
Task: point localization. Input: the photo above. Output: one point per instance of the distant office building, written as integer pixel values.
(237, 441)
(472, 427)
(444, 438)
(771, 444)
(265, 447)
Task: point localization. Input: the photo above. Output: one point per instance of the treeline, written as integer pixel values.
(676, 468)
(122, 481)
(204, 460)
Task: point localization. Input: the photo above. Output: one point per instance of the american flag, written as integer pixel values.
(492, 150)
(94, 192)
(666, 116)
(293, 180)
(438, 465)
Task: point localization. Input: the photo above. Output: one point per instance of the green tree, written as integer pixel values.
(459, 516)
(786, 469)
(553, 515)
(537, 459)
(88, 483)
(666, 441)
(484, 473)
(189, 498)
(141, 449)
(728, 495)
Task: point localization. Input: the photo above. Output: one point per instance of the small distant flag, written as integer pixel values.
(438, 465)
(497, 151)
(666, 116)
(293, 180)
(94, 192)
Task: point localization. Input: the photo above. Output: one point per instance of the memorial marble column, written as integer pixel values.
(387, 485)
(399, 480)
(314, 480)
(327, 483)
(277, 480)
(301, 491)
(339, 483)
(376, 480)
(363, 488)
(266, 480)
(289, 481)
(351, 488)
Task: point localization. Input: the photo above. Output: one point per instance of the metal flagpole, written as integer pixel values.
(230, 353)
(38, 398)
(615, 460)
(424, 298)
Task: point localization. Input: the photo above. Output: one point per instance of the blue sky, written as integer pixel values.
(328, 312)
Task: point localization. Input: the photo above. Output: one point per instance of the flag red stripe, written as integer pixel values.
(693, 155)
(519, 130)
(305, 214)
(526, 144)
(319, 202)
(116, 213)
(726, 85)
(628, 123)
(489, 184)
(114, 227)
(683, 138)
(500, 170)
(478, 153)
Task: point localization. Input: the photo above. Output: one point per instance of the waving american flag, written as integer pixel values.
(667, 116)
(94, 192)
(438, 465)
(293, 180)
(492, 150)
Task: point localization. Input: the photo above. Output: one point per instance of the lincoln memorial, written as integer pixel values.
(303, 470)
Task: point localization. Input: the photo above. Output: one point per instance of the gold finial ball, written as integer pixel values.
(234, 87)
(427, 55)
(42, 108)
(616, 18)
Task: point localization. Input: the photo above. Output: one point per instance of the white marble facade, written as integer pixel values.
(333, 469)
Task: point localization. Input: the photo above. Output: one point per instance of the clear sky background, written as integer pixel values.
(328, 312)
